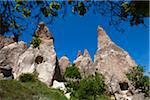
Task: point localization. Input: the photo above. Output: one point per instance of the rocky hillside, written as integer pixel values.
(110, 60)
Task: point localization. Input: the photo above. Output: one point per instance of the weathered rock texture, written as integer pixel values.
(41, 59)
(28, 60)
(109, 60)
(112, 61)
(63, 64)
(9, 57)
(84, 63)
(4, 41)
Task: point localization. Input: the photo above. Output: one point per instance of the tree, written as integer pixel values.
(139, 81)
(16, 16)
(88, 88)
(72, 72)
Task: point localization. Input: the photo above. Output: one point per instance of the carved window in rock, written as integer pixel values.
(6, 72)
(39, 59)
(124, 86)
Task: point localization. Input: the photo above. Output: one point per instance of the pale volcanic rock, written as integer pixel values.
(84, 63)
(9, 56)
(63, 64)
(4, 41)
(79, 53)
(41, 60)
(112, 61)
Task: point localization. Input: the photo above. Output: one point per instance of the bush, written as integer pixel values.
(89, 88)
(36, 41)
(27, 77)
(72, 72)
(139, 81)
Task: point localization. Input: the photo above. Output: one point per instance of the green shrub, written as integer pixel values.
(27, 77)
(36, 41)
(88, 88)
(72, 72)
(139, 81)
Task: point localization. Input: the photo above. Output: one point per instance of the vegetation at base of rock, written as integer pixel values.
(139, 81)
(72, 72)
(27, 77)
(36, 42)
(88, 88)
(16, 90)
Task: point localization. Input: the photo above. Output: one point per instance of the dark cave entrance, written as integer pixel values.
(124, 86)
(7, 72)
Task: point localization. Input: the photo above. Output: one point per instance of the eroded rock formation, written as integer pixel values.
(110, 60)
(28, 60)
(84, 63)
(63, 64)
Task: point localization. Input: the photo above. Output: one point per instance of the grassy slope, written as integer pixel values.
(15, 90)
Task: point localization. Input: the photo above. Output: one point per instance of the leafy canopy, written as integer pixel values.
(16, 16)
(72, 72)
(88, 88)
(139, 81)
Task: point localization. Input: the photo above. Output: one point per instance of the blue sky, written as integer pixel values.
(79, 33)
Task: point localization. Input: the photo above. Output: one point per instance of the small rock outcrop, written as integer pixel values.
(63, 64)
(84, 63)
(4, 41)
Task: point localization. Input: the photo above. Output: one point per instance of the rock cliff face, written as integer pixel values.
(9, 57)
(112, 61)
(20, 59)
(41, 60)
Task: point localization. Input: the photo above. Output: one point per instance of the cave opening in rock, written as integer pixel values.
(6, 72)
(124, 86)
(39, 59)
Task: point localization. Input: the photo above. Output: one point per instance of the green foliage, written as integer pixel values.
(55, 5)
(88, 88)
(20, 10)
(72, 86)
(139, 81)
(72, 72)
(137, 10)
(36, 42)
(27, 77)
(16, 90)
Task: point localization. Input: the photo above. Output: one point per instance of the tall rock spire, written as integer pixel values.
(111, 60)
(43, 31)
(44, 34)
(103, 38)
(86, 53)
